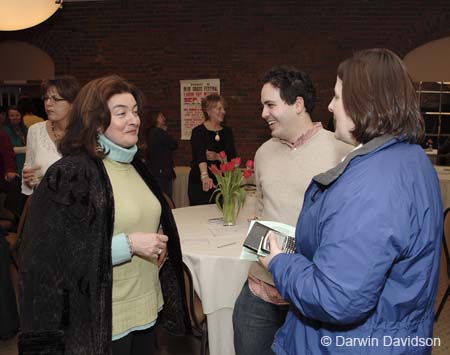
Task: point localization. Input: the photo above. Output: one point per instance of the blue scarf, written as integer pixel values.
(116, 152)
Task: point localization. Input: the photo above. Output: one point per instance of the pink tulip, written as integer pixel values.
(247, 174)
(236, 161)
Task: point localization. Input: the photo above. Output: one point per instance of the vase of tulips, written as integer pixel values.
(229, 195)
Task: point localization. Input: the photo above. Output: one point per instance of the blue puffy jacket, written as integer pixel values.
(364, 278)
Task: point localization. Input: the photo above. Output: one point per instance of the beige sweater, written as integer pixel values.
(283, 175)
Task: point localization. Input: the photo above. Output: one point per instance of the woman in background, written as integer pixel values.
(369, 234)
(93, 259)
(17, 133)
(160, 145)
(207, 140)
(43, 137)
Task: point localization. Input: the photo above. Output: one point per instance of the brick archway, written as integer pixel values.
(48, 42)
(420, 33)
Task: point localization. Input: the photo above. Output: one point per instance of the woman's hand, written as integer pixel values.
(163, 256)
(149, 245)
(274, 250)
(30, 176)
(212, 156)
(207, 184)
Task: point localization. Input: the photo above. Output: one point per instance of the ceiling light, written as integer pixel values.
(20, 14)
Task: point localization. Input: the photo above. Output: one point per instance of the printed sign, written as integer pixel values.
(191, 93)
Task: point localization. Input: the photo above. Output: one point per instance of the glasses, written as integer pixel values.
(53, 99)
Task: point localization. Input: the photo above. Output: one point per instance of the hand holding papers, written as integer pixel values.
(257, 244)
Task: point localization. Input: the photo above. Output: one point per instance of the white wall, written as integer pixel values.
(21, 61)
(430, 62)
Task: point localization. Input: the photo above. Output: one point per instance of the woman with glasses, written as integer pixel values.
(44, 137)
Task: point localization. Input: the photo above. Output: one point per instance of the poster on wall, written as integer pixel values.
(191, 93)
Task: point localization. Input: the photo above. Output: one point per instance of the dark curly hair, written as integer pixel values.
(292, 84)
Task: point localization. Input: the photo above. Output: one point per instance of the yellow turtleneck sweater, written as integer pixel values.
(136, 297)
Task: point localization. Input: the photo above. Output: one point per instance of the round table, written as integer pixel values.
(211, 251)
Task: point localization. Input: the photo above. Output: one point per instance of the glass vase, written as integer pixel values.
(229, 210)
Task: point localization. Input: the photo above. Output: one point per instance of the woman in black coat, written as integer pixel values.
(98, 209)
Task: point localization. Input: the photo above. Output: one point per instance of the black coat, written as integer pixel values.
(65, 261)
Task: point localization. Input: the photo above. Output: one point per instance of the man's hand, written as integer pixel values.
(274, 250)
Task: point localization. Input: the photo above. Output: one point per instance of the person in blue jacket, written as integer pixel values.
(364, 276)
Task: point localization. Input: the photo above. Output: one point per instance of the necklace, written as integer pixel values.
(56, 135)
(217, 137)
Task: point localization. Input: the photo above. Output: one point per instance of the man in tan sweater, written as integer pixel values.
(284, 166)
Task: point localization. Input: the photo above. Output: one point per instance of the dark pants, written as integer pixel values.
(255, 323)
(15, 200)
(140, 342)
(9, 320)
(196, 194)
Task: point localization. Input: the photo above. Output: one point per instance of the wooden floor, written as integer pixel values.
(191, 346)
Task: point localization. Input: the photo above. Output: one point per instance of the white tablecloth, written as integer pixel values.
(444, 181)
(211, 251)
(180, 186)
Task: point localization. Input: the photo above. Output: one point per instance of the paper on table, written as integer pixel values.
(219, 230)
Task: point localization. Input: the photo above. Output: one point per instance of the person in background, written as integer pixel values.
(9, 319)
(7, 158)
(17, 133)
(7, 175)
(2, 116)
(43, 137)
(284, 166)
(368, 238)
(207, 140)
(93, 261)
(27, 105)
(160, 146)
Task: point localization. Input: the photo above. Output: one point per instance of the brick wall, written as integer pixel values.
(155, 43)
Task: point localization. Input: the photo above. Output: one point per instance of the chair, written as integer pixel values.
(445, 243)
(13, 240)
(169, 200)
(198, 318)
